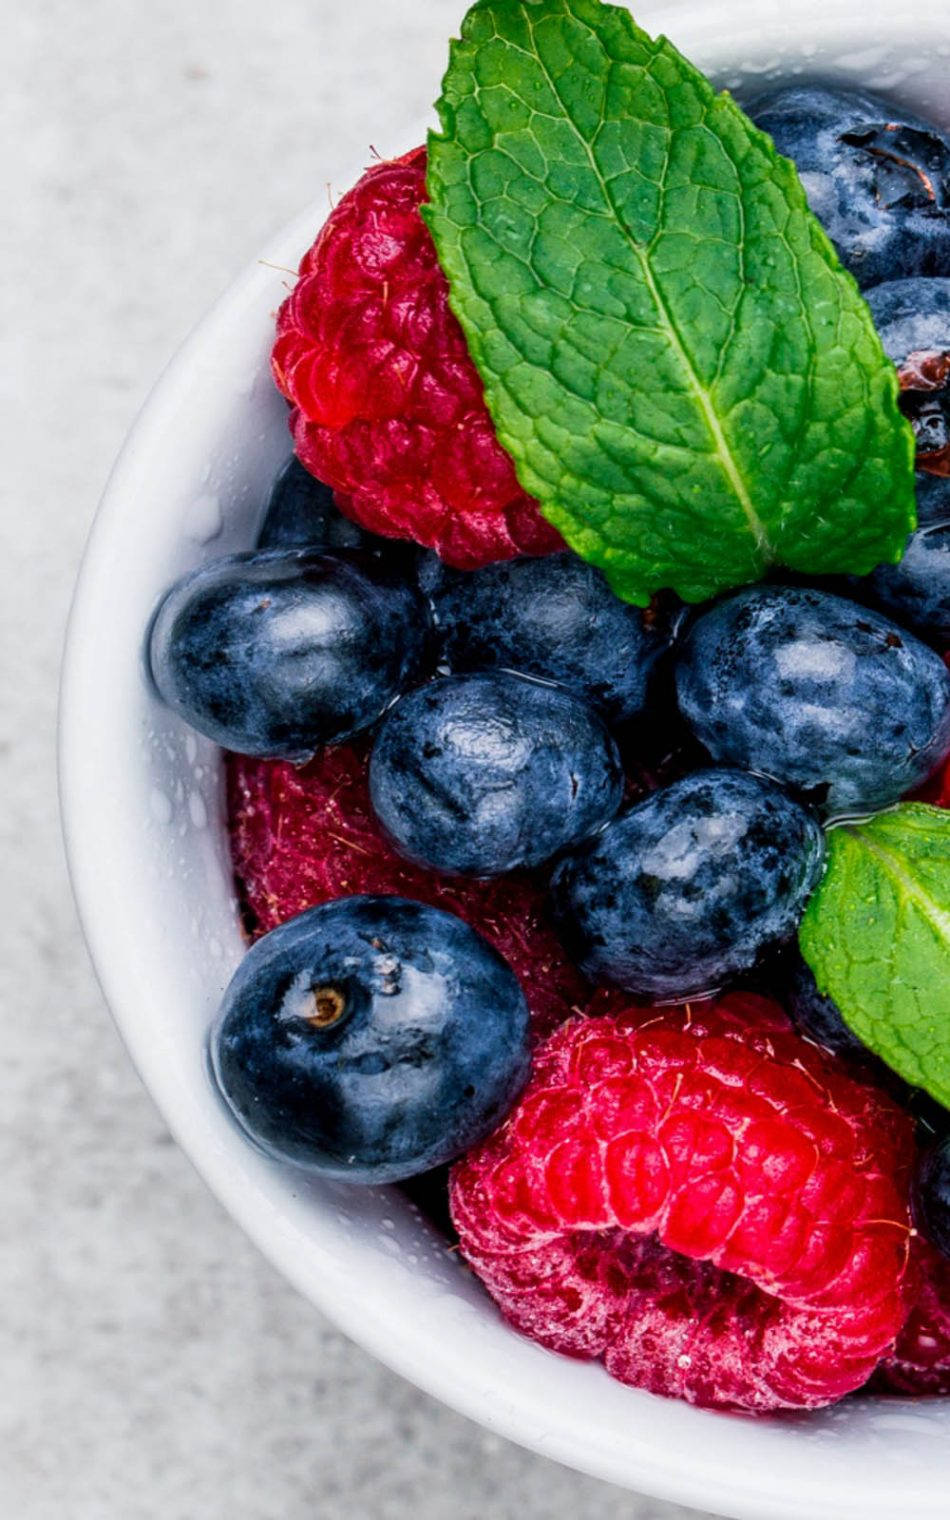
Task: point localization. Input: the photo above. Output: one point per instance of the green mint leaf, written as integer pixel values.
(671, 352)
(876, 934)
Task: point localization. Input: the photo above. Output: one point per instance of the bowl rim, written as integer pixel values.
(711, 1483)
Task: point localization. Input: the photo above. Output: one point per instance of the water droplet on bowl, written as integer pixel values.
(160, 806)
(864, 60)
(197, 811)
(204, 519)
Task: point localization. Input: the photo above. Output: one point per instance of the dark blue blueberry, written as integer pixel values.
(278, 653)
(829, 698)
(429, 571)
(933, 500)
(429, 1193)
(931, 1196)
(916, 592)
(555, 618)
(371, 1039)
(877, 178)
(932, 1120)
(913, 320)
(816, 1016)
(481, 774)
(690, 887)
(302, 514)
(912, 316)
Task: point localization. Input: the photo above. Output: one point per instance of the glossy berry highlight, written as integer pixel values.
(280, 652)
(689, 887)
(877, 177)
(555, 618)
(302, 836)
(491, 772)
(371, 1039)
(832, 700)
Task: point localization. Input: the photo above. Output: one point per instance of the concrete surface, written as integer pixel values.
(154, 1367)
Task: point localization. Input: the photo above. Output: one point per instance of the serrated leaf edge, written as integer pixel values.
(909, 893)
(722, 451)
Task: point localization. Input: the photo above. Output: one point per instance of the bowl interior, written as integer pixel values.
(143, 809)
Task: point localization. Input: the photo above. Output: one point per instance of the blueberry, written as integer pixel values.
(916, 592)
(484, 773)
(913, 320)
(429, 571)
(912, 316)
(814, 1015)
(931, 1196)
(371, 1039)
(429, 1193)
(302, 514)
(690, 887)
(278, 653)
(877, 178)
(555, 618)
(829, 698)
(932, 1120)
(933, 500)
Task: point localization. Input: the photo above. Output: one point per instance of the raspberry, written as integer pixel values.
(941, 785)
(702, 1199)
(305, 836)
(389, 408)
(920, 1362)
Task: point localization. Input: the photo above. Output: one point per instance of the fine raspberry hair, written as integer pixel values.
(388, 407)
(702, 1199)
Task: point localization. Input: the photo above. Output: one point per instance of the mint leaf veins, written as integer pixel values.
(672, 354)
(876, 934)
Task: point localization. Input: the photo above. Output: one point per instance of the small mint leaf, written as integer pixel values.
(876, 934)
(682, 372)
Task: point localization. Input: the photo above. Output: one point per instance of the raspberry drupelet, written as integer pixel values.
(702, 1199)
(389, 409)
(920, 1361)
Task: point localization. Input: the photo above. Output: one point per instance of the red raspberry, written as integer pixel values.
(389, 408)
(300, 837)
(920, 1362)
(701, 1198)
(941, 788)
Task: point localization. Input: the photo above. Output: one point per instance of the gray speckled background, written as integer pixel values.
(154, 1367)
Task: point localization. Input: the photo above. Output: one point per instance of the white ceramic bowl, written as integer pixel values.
(144, 823)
